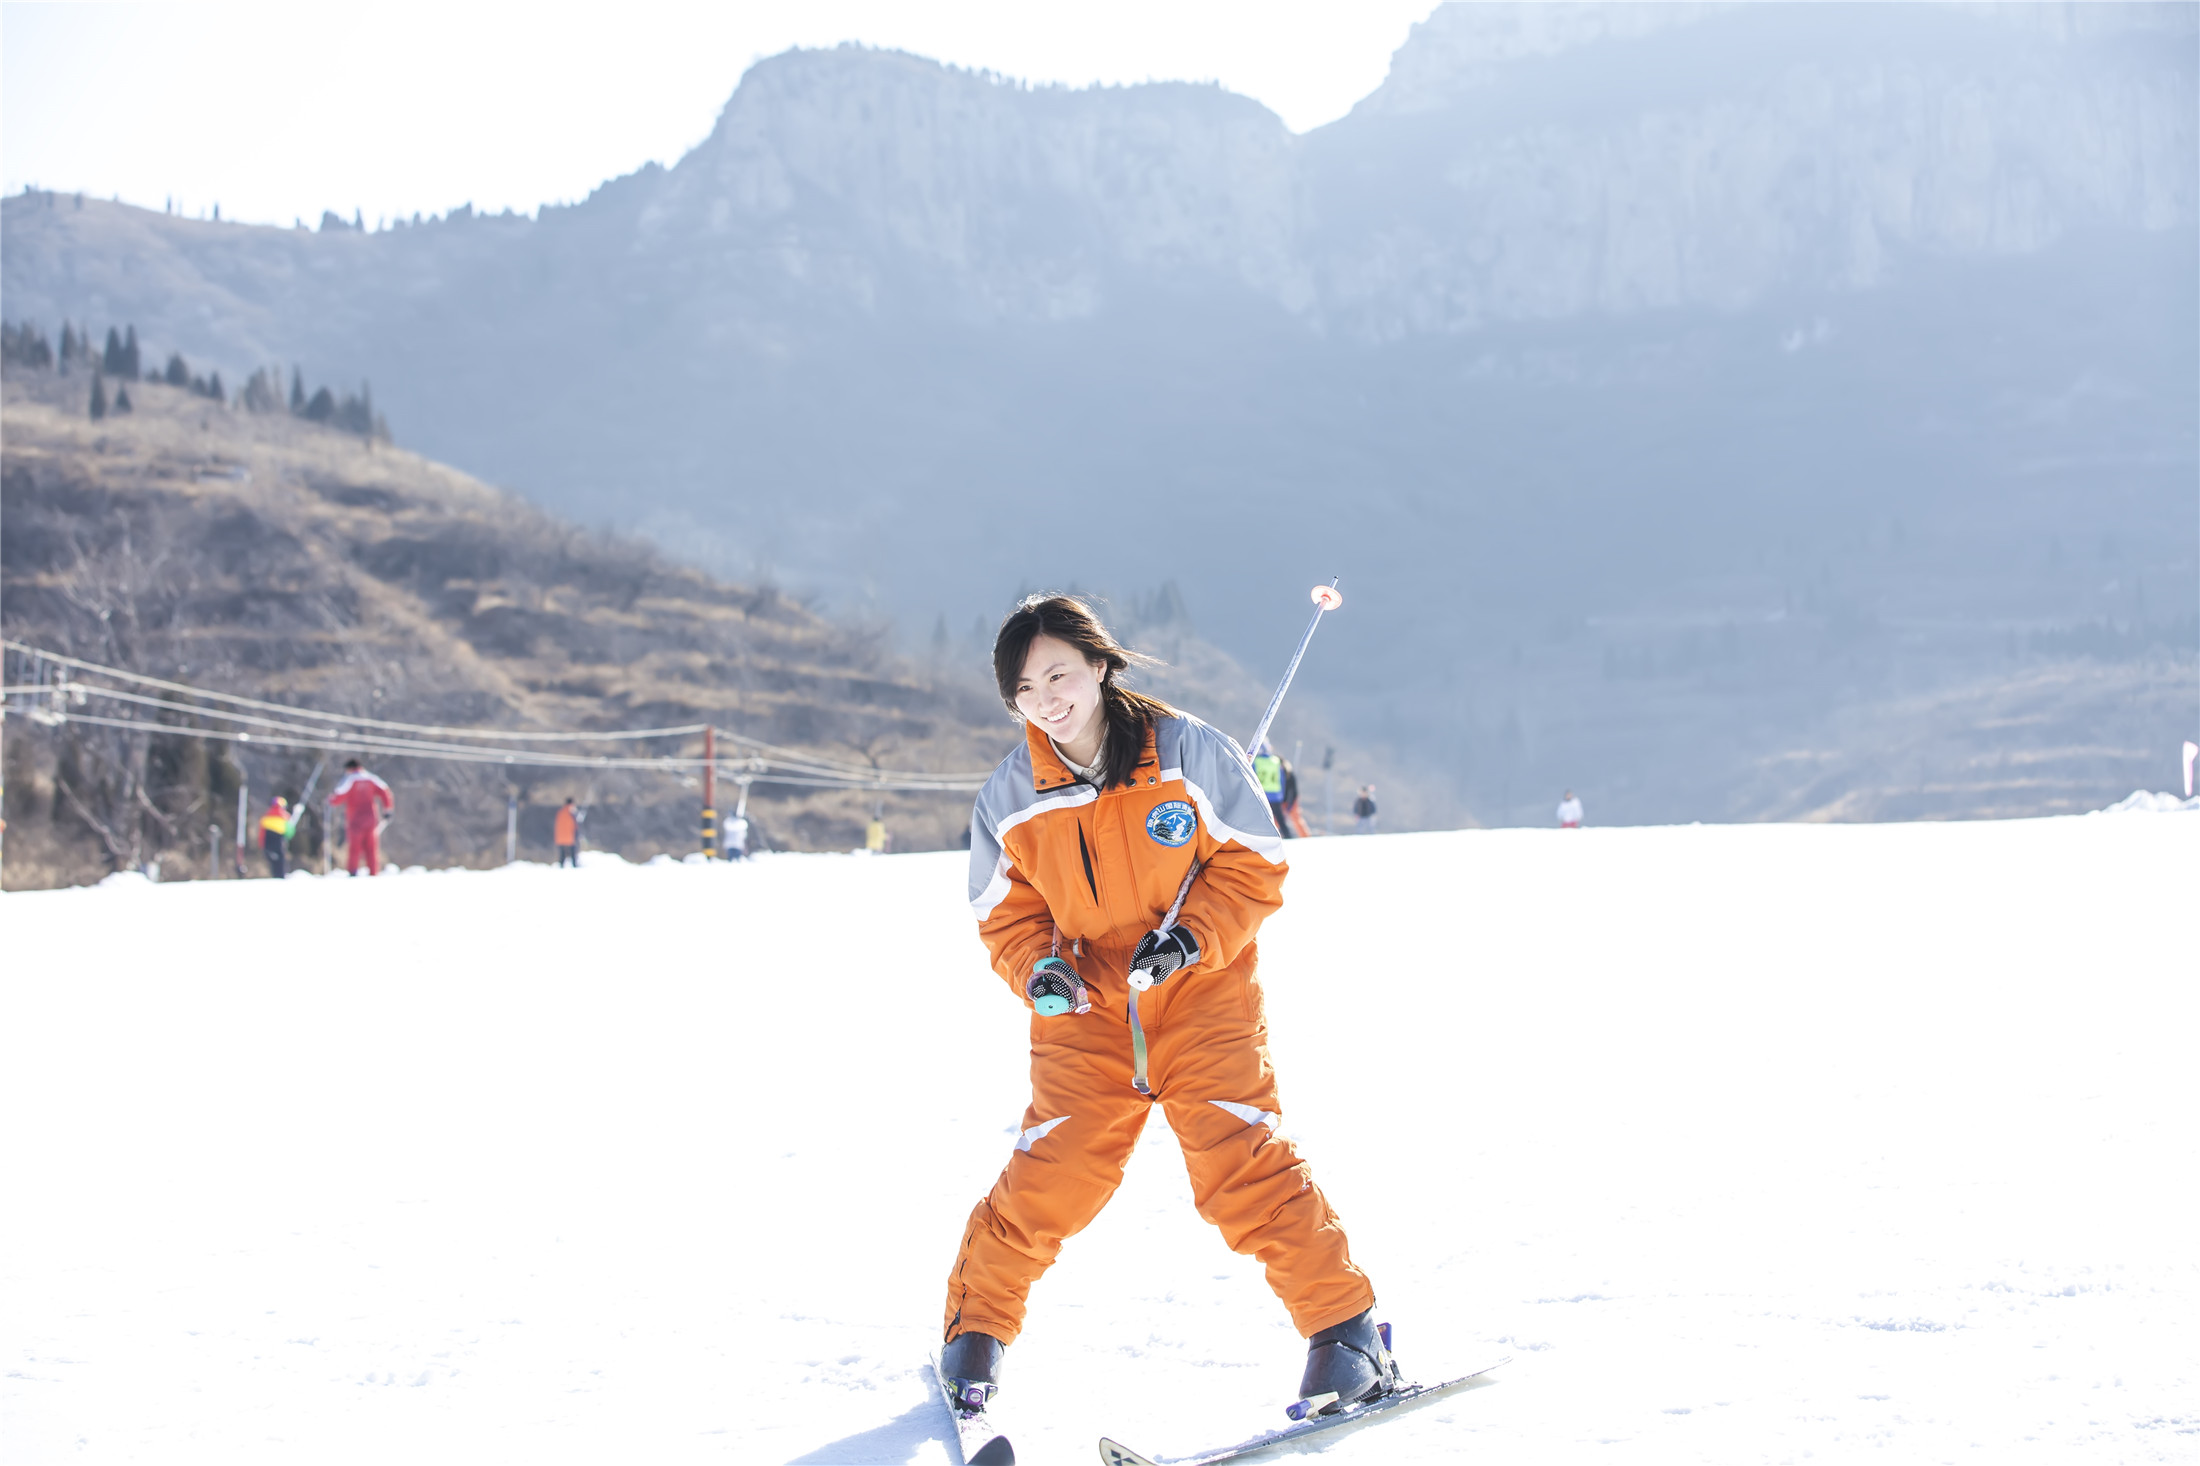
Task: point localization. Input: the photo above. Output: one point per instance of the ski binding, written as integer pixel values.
(979, 1436)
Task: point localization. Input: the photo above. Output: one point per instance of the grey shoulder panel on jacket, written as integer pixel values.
(1221, 778)
(1007, 791)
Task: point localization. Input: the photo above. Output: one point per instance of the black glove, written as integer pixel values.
(1161, 953)
(1055, 988)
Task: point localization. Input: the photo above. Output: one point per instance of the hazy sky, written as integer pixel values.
(279, 112)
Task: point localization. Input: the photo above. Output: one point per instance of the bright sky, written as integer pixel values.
(279, 112)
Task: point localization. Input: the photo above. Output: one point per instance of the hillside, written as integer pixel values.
(274, 558)
(1747, 1145)
(267, 556)
(1705, 405)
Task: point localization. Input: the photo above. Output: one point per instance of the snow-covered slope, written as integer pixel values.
(1747, 1143)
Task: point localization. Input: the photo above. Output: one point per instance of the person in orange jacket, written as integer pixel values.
(1080, 843)
(366, 802)
(565, 833)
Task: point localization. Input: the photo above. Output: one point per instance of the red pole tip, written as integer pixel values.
(1328, 597)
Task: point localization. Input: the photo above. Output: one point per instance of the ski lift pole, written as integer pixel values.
(305, 802)
(710, 792)
(1326, 598)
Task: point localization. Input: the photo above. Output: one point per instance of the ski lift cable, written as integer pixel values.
(379, 741)
(517, 757)
(810, 761)
(235, 700)
(470, 753)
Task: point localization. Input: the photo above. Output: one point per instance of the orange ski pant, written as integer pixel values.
(1207, 1066)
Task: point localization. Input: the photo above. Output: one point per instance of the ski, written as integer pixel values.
(1114, 1454)
(980, 1438)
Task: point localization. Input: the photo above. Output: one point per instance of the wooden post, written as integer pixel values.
(710, 792)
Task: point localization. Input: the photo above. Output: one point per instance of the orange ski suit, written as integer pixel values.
(1057, 867)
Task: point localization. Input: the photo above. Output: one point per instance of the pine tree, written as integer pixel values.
(122, 401)
(263, 391)
(112, 364)
(99, 396)
(297, 391)
(214, 388)
(25, 344)
(130, 354)
(179, 371)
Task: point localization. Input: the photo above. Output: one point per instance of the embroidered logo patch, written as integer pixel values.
(1173, 823)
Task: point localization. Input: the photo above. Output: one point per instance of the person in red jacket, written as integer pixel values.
(366, 802)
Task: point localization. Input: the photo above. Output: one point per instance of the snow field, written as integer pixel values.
(1762, 1143)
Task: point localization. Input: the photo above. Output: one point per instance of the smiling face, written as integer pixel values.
(1060, 691)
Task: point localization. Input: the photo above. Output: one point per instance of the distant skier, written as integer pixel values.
(737, 838)
(1363, 811)
(1080, 843)
(1294, 823)
(276, 828)
(1569, 811)
(366, 802)
(565, 833)
(1274, 777)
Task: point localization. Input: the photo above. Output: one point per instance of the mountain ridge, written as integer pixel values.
(1689, 324)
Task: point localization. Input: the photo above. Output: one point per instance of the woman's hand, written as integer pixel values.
(1055, 988)
(1161, 952)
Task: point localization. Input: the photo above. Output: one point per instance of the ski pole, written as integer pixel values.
(1326, 598)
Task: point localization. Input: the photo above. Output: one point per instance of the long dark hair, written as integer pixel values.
(1066, 618)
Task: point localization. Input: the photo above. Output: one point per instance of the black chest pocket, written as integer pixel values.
(1084, 853)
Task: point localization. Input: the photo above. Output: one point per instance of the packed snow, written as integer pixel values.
(1760, 1143)
(2139, 801)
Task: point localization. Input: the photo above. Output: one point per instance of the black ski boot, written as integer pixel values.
(971, 1365)
(1350, 1361)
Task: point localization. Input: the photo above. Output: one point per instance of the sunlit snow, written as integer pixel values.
(1761, 1143)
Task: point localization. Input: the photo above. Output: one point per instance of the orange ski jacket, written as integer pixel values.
(1057, 866)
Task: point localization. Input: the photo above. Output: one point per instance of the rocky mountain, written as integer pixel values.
(1688, 394)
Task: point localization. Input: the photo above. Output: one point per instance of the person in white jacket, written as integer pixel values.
(1569, 812)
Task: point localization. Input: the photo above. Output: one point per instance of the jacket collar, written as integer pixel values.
(1049, 772)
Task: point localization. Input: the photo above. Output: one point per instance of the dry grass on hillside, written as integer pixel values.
(271, 557)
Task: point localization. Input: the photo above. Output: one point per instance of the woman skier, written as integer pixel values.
(1079, 845)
